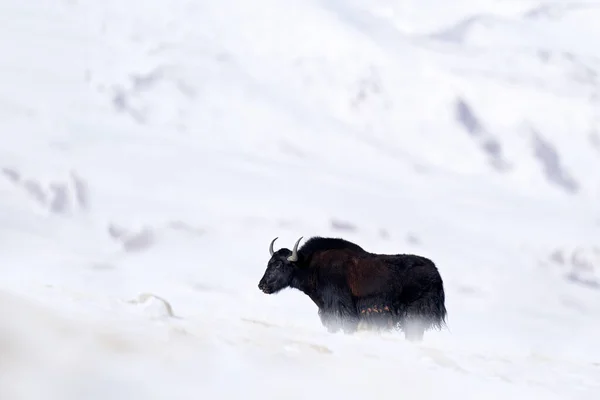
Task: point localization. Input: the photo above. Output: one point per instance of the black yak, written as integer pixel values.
(354, 288)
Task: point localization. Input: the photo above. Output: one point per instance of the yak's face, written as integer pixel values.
(279, 273)
(280, 269)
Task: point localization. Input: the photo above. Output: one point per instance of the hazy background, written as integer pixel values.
(151, 151)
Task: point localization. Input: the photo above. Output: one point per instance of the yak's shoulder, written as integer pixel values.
(317, 243)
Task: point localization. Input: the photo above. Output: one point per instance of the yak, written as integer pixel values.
(356, 289)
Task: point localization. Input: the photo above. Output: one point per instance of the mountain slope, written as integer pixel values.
(151, 153)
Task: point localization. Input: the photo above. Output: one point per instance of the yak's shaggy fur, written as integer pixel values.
(353, 287)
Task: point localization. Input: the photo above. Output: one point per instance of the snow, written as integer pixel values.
(151, 152)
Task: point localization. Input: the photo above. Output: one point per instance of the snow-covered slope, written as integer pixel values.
(151, 151)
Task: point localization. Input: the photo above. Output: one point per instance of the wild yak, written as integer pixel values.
(354, 288)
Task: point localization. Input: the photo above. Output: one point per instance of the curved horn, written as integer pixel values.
(294, 256)
(271, 246)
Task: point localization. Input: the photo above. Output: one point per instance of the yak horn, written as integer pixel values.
(271, 247)
(294, 256)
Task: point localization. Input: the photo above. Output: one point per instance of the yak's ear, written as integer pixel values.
(294, 257)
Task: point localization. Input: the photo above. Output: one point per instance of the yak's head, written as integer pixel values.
(280, 269)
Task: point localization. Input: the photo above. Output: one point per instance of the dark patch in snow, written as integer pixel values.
(56, 197)
(343, 226)
(139, 241)
(115, 231)
(368, 87)
(60, 200)
(544, 55)
(573, 304)
(143, 82)
(581, 266)
(120, 101)
(384, 234)
(130, 98)
(132, 241)
(492, 147)
(468, 290)
(590, 283)
(82, 193)
(147, 236)
(467, 118)
(550, 161)
(458, 32)
(187, 228)
(286, 224)
(412, 239)
(557, 10)
(577, 68)
(595, 140)
(102, 266)
(35, 190)
(11, 174)
(558, 257)
(486, 141)
(186, 89)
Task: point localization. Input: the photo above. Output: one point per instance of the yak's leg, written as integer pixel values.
(421, 315)
(414, 332)
(414, 329)
(338, 311)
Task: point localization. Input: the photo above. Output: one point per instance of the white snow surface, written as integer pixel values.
(151, 150)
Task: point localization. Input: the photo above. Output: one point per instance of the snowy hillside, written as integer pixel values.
(152, 150)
